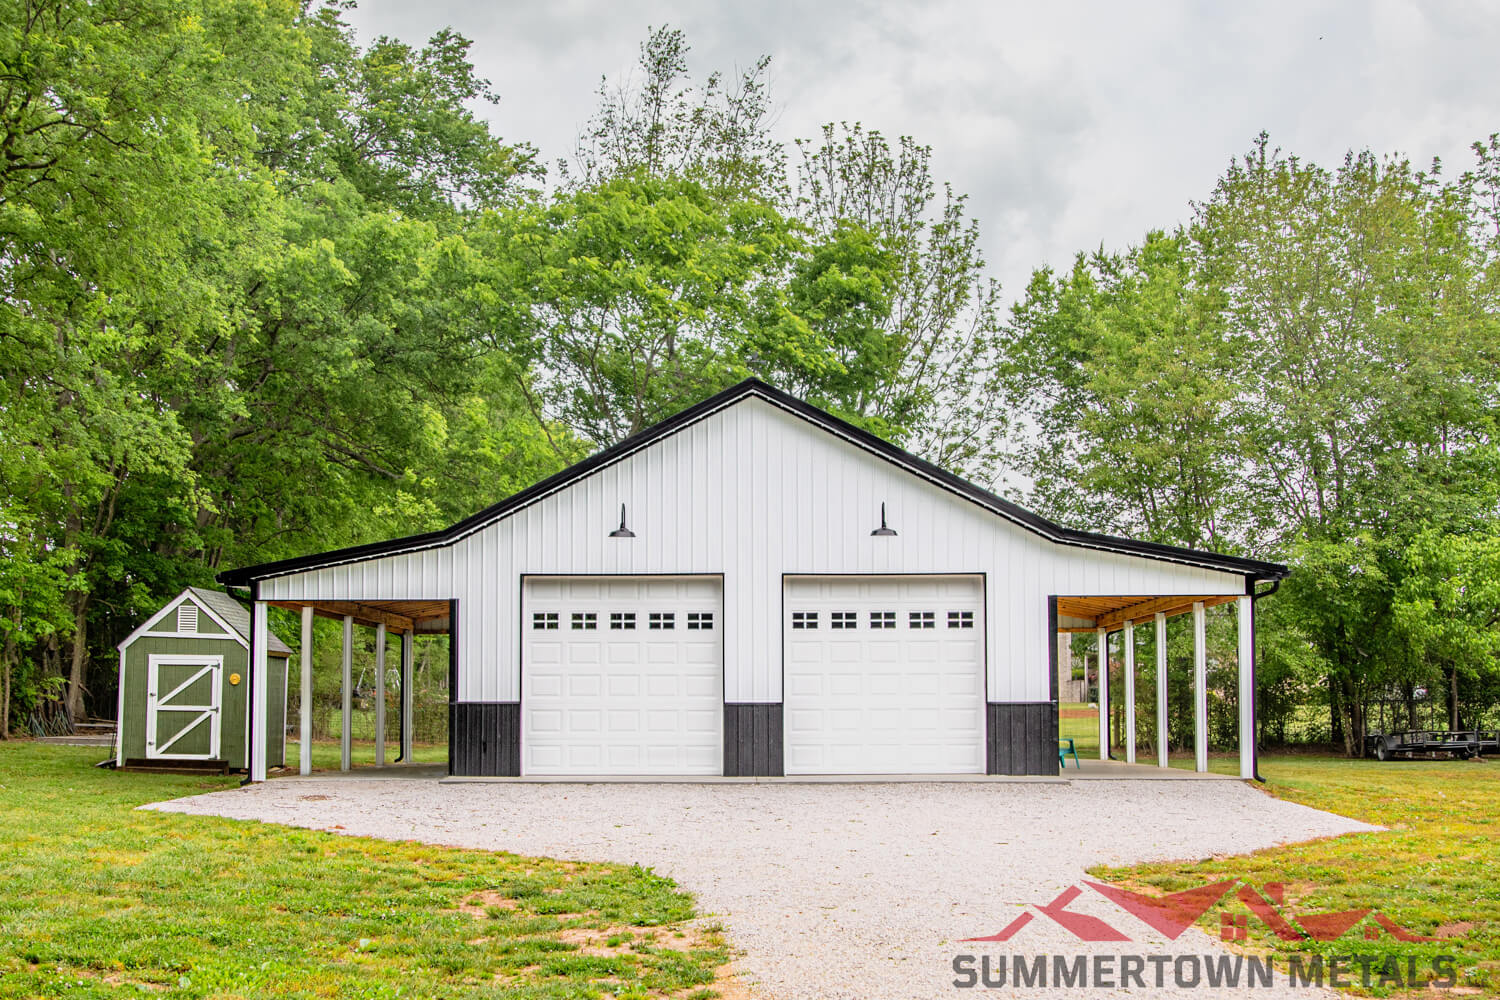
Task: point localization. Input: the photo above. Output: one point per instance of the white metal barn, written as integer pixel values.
(755, 587)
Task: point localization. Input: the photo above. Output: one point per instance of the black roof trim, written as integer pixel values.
(1254, 568)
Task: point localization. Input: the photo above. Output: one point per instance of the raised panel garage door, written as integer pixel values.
(622, 675)
(884, 675)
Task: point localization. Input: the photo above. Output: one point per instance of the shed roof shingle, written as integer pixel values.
(237, 617)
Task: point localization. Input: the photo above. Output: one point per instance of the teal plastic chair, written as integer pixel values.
(1064, 748)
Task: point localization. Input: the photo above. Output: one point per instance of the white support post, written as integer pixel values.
(346, 748)
(304, 739)
(408, 652)
(1103, 694)
(1246, 664)
(380, 695)
(1129, 641)
(1200, 688)
(259, 680)
(1161, 690)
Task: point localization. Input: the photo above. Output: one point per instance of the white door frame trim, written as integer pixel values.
(212, 663)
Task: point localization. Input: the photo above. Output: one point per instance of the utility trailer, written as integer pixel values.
(1461, 743)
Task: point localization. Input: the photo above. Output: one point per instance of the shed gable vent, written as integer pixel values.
(187, 617)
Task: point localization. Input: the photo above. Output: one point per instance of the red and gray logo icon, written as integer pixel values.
(1170, 915)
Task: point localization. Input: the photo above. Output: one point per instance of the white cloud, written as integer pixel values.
(1069, 125)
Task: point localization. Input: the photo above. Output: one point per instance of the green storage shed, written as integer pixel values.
(185, 687)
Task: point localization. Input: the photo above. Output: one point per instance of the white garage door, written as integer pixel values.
(622, 675)
(884, 675)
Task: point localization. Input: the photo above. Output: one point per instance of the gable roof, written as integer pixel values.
(748, 389)
(236, 616)
(230, 614)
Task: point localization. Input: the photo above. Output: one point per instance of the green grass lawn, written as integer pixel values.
(1081, 722)
(1433, 872)
(100, 900)
(326, 753)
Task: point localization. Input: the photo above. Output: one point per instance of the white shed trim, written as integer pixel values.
(146, 627)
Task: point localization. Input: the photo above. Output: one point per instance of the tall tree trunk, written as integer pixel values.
(1355, 741)
(1351, 722)
(80, 659)
(1453, 697)
(1335, 712)
(7, 659)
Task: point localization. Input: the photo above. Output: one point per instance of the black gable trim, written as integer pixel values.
(1251, 568)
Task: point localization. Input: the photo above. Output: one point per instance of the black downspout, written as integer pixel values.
(1254, 690)
(250, 689)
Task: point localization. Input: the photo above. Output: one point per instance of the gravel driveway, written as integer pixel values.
(838, 890)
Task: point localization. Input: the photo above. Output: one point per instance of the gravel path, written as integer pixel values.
(835, 891)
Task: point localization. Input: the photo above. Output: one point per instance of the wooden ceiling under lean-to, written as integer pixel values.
(1113, 612)
(421, 617)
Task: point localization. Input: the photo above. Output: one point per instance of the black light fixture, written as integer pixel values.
(884, 529)
(622, 531)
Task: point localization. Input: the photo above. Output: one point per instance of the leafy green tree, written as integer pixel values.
(659, 124)
(939, 336)
(1307, 371)
(652, 292)
(875, 306)
(235, 266)
(113, 120)
(1448, 609)
(1124, 383)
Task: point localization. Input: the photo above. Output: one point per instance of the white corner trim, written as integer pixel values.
(120, 713)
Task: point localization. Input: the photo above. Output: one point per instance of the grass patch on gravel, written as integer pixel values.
(100, 900)
(1433, 872)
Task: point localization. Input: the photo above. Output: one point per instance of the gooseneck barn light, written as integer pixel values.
(884, 529)
(622, 531)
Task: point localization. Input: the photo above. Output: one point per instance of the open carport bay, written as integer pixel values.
(833, 890)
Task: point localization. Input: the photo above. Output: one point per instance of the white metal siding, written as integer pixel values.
(752, 492)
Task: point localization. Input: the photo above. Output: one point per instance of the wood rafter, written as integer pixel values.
(1169, 606)
(1111, 613)
(365, 614)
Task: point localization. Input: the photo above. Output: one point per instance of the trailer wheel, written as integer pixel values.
(1382, 752)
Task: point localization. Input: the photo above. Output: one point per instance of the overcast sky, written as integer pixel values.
(1069, 125)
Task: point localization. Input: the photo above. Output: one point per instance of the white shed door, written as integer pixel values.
(622, 675)
(884, 675)
(182, 706)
